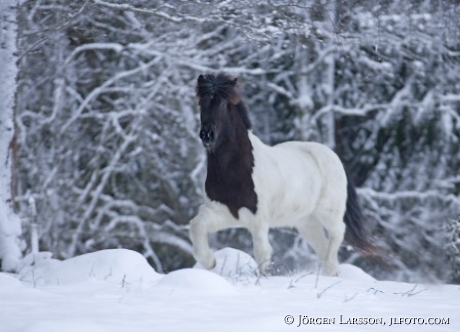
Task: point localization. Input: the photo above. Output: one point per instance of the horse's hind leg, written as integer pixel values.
(336, 235)
(313, 232)
(335, 227)
(326, 247)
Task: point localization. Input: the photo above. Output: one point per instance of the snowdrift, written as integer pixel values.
(115, 265)
(117, 290)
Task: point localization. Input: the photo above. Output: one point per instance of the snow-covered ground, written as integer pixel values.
(116, 290)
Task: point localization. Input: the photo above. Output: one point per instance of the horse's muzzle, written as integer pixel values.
(207, 138)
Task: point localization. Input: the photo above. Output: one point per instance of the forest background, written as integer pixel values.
(107, 154)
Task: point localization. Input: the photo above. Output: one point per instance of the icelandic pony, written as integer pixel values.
(252, 185)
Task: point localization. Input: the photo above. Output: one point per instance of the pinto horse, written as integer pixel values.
(252, 185)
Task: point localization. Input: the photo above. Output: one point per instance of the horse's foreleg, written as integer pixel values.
(206, 222)
(262, 248)
(199, 236)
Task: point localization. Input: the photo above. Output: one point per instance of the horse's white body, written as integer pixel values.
(298, 184)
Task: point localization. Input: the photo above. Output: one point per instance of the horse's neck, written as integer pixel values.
(229, 179)
(234, 153)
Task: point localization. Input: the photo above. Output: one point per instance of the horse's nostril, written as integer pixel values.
(207, 135)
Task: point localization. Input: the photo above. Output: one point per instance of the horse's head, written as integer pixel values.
(220, 103)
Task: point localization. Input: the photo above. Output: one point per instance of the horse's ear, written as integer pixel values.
(234, 81)
(201, 78)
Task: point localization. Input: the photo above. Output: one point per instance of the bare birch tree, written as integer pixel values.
(10, 226)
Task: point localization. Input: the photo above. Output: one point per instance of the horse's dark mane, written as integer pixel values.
(243, 111)
(222, 86)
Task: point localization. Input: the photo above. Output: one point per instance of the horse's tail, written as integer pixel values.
(357, 231)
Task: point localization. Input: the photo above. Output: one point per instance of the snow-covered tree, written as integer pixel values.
(107, 120)
(453, 248)
(10, 225)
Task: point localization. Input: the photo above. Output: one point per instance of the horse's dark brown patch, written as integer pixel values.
(231, 163)
(229, 179)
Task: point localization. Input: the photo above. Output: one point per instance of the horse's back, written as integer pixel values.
(294, 178)
(291, 178)
(334, 178)
(326, 159)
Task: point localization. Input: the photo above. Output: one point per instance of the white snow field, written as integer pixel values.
(116, 290)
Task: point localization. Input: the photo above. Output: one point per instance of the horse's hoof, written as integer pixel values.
(208, 263)
(331, 272)
(213, 264)
(267, 269)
